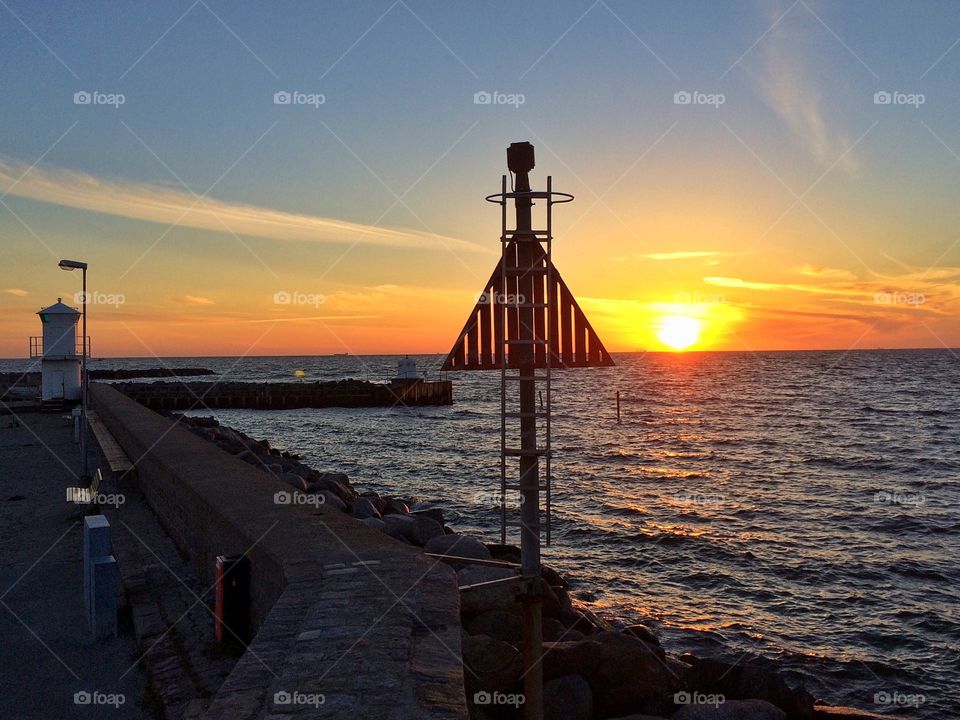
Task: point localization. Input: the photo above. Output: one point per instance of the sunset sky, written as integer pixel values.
(805, 197)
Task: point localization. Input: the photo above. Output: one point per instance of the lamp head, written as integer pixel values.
(520, 157)
(72, 265)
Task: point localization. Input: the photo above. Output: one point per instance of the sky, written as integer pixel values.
(249, 178)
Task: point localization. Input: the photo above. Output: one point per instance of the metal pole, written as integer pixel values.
(618, 407)
(529, 462)
(83, 392)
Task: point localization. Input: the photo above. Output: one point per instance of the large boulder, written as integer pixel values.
(459, 545)
(424, 530)
(748, 679)
(398, 526)
(375, 524)
(731, 710)
(502, 596)
(628, 677)
(569, 658)
(331, 500)
(395, 506)
(498, 624)
(363, 508)
(335, 483)
(567, 697)
(645, 634)
(490, 665)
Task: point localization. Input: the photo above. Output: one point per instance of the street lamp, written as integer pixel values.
(77, 265)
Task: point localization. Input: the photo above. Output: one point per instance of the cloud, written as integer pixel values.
(196, 300)
(172, 206)
(682, 255)
(790, 83)
(17, 291)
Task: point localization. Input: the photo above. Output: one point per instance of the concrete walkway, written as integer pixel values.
(46, 654)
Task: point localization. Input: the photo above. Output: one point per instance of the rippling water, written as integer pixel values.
(799, 505)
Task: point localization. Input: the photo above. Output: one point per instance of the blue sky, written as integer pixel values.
(598, 81)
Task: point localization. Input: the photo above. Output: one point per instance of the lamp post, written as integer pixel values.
(75, 265)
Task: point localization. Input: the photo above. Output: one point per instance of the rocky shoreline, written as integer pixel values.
(592, 669)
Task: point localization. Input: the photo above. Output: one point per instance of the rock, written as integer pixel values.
(556, 631)
(640, 717)
(459, 545)
(628, 675)
(424, 529)
(396, 506)
(275, 469)
(567, 697)
(749, 679)
(372, 522)
(301, 470)
(645, 634)
(332, 501)
(291, 479)
(398, 526)
(363, 508)
(336, 486)
(731, 710)
(498, 624)
(490, 665)
(502, 596)
(430, 512)
(555, 579)
(569, 658)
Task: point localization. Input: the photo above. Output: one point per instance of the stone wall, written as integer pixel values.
(348, 622)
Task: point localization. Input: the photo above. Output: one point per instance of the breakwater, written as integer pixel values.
(287, 395)
(340, 610)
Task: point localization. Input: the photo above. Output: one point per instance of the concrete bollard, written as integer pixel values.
(97, 552)
(103, 619)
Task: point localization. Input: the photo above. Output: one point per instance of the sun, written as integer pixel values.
(679, 332)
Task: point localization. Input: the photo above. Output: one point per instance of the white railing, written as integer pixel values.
(36, 347)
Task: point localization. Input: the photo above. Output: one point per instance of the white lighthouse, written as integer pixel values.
(60, 362)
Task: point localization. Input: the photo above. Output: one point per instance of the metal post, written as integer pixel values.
(83, 382)
(529, 461)
(618, 407)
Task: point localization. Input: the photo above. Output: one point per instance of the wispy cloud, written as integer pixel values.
(785, 74)
(171, 206)
(683, 255)
(16, 291)
(196, 300)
